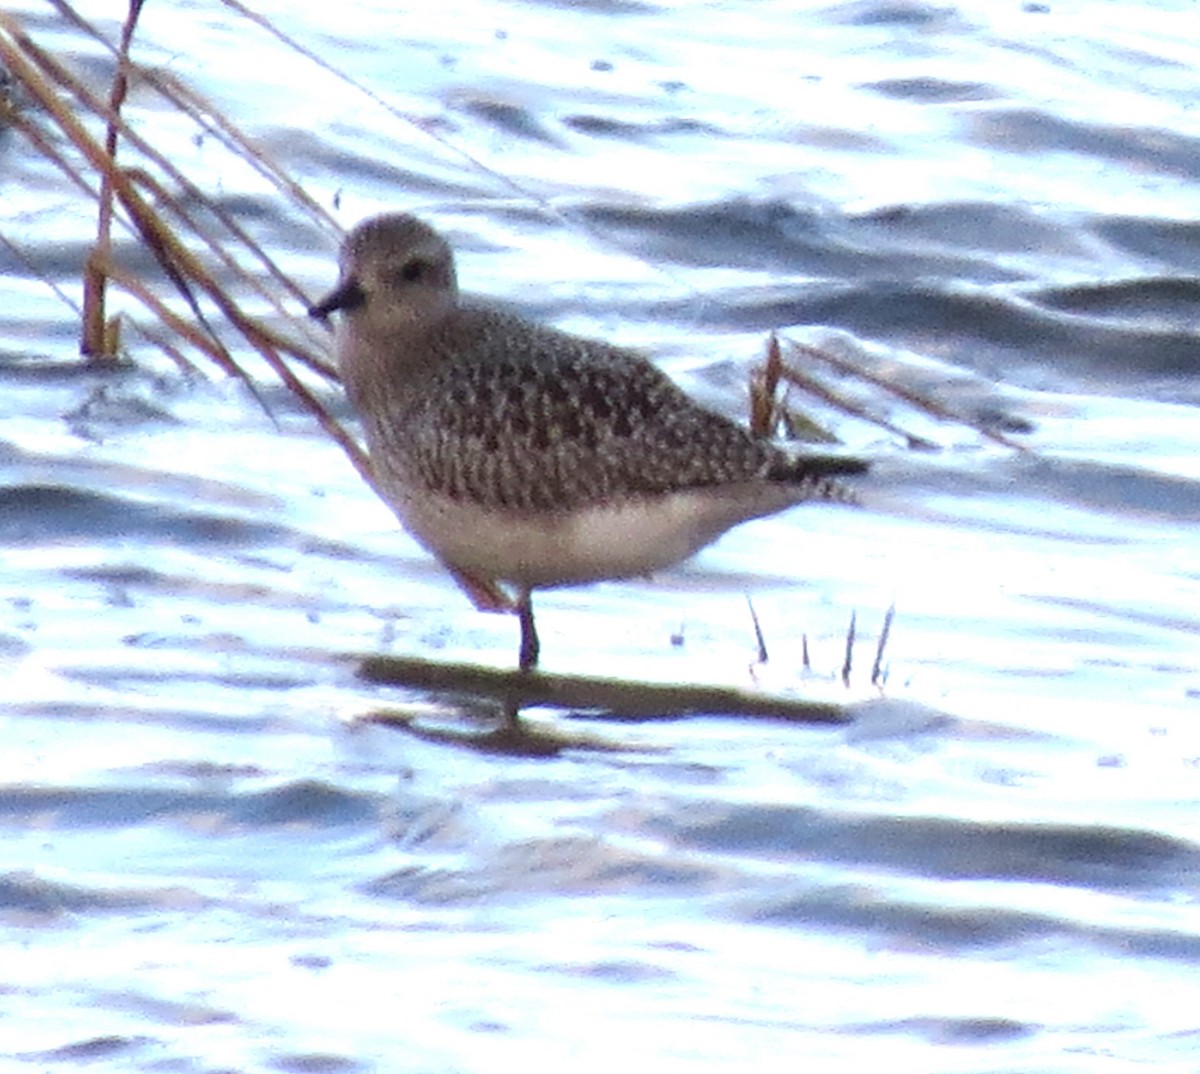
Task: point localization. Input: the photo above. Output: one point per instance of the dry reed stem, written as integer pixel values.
(176, 206)
(307, 357)
(176, 260)
(767, 411)
(94, 104)
(96, 340)
(819, 390)
(180, 266)
(908, 395)
(764, 391)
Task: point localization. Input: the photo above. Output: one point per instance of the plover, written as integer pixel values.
(523, 455)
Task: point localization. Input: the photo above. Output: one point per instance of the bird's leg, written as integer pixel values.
(529, 639)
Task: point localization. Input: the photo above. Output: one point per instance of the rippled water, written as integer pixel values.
(208, 862)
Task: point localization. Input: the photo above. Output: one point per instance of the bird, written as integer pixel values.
(524, 456)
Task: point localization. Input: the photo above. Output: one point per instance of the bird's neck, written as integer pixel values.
(378, 367)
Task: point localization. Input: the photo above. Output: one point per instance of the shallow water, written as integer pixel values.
(208, 862)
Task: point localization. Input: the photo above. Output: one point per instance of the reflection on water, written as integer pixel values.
(212, 861)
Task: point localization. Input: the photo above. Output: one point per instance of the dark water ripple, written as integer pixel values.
(983, 331)
(1172, 244)
(1149, 300)
(26, 894)
(1141, 333)
(886, 244)
(954, 850)
(35, 514)
(310, 803)
(1145, 150)
(933, 90)
(934, 926)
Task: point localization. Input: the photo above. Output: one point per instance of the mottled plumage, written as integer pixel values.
(521, 454)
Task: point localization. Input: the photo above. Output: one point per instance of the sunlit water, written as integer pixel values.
(207, 863)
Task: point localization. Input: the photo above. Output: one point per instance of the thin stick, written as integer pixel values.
(877, 667)
(848, 661)
(617, 697)
(758, 634)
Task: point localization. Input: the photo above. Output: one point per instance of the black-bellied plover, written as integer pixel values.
(519, 454)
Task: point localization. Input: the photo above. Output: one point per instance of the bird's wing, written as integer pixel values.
(531, 418)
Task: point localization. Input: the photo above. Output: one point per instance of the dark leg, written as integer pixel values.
(529, 639)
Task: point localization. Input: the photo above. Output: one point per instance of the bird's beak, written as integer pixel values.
(346, 296)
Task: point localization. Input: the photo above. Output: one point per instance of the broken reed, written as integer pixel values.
(145, 203)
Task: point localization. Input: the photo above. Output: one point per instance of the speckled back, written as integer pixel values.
(520, 416)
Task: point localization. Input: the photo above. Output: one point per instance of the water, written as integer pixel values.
(210, 861)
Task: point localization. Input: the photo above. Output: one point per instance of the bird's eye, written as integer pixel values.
(413, 270)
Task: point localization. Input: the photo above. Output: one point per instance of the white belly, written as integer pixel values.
(636, 537)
